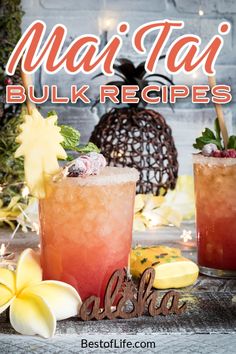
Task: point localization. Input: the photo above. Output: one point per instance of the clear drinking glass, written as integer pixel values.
(86, 228)
(215, 194)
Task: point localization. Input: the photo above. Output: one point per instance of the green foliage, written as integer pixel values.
(85, 149)
(232, 142)
(217, 129)
(52, 113)
(71, 142)
(10, 27)
(11, 169)
(209, 137)
(10, 33)
(71, 137)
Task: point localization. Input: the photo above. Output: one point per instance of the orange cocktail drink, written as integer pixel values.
(86, 228)
(215, 192)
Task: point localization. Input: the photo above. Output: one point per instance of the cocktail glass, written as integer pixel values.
(215, 194)
(86, 228)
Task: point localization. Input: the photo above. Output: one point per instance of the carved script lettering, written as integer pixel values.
(123, 300)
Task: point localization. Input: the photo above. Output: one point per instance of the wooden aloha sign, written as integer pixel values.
(123, 300)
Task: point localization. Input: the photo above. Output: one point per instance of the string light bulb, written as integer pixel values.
(201, 12)
(106, 23)
(35, 227)
(2, 249)
(25, 192)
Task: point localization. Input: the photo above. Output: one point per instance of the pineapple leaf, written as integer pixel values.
(119, 75)
(155, 93)
(158, 82)
(118, 68)
(161, 83)
(141, 83)
(125, 61)
(98, 75)
(160, 75)
(126, 69)
(95, 103)
(140, 70)
(117, 83)
(162, 57)
(131, 75)
(101, 74)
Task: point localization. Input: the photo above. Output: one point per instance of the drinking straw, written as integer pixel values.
(26, 80)
(219, 114)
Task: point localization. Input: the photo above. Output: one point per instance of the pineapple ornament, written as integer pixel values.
(137, 137)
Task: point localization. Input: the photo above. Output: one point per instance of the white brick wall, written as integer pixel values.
(84, 17)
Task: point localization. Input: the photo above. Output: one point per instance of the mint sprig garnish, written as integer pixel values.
(90, 147)
(214, 137)
(72, 139)
(232, 142)
(71, 142)
(209, 137)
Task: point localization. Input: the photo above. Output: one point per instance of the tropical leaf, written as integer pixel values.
(162, 57)
(98, 75)
(127, 70)
(116, 83)
(119, 75)
(140, 70)
(102, 74)
(160, 75)
(125, 61)
(131, 75)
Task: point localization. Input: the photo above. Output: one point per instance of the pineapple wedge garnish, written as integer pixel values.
(40, 144)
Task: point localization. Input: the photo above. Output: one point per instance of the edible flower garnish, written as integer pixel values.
(85, 165)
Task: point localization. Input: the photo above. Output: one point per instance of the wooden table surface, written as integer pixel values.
(208, 325)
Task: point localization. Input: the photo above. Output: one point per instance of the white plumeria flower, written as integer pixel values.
(35, 305)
